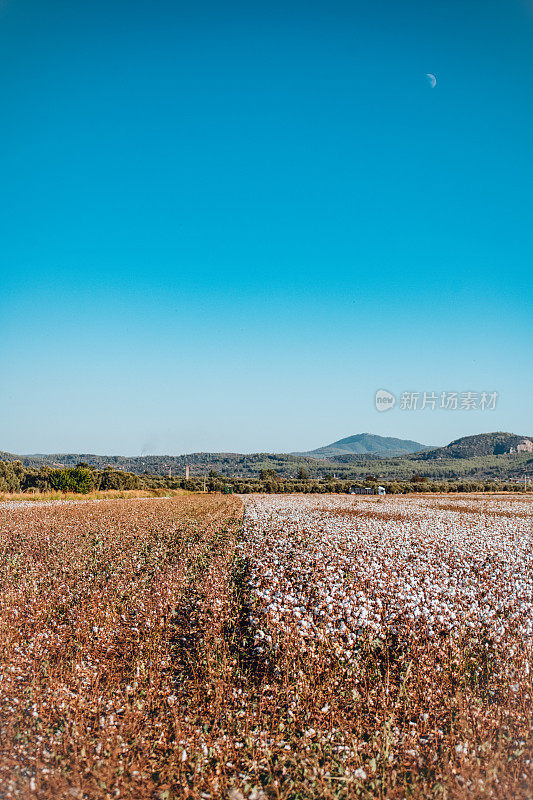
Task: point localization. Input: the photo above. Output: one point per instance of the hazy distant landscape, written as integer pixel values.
(491, 456)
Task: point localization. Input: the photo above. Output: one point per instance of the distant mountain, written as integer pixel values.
(364, 444)
(483, 444)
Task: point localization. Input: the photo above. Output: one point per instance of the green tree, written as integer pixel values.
(81, 479)
(268, 475)
(9, 477)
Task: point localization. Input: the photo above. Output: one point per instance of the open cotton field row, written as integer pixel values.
(301, 647)
(409, 625)
(344, 567)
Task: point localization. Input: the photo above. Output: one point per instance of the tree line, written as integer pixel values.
(82, 479)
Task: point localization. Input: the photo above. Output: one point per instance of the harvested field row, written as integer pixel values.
(102, 610)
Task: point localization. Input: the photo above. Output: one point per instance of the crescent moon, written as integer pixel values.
(432, 79)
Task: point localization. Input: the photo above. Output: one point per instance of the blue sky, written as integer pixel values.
(225, 227)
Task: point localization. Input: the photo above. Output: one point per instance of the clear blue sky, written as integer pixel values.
(223, 226)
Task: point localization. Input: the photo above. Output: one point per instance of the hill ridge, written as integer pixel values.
(366, 444)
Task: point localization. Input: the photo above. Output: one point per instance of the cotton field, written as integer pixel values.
(272, 647)
(341, 566)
